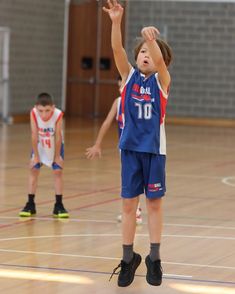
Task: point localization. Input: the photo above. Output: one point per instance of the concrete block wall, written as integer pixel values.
(201, 35)
(36, 49)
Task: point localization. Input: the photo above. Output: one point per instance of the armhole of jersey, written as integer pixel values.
(59, 117)
(118, 107)
(128, 78)
(34, 117)
(164, 94)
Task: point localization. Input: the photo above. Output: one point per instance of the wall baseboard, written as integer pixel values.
(205, 122)
(171, 120)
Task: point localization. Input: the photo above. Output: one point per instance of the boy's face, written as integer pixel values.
(144, 61)
(45, 112)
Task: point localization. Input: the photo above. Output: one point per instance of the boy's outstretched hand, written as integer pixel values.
(92, 152)
(115, 10)
(150, 33)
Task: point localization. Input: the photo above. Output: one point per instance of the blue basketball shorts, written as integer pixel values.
(54, 165)
(142, 173)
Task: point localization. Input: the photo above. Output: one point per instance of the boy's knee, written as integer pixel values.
(57, 173)
(154, 204)
(129, 206)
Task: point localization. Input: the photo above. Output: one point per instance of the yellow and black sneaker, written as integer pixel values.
(28, 210)
(59, 211)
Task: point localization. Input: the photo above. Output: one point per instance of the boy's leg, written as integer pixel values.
(129, 207)
(153, 261)
(155, 190)
(154, 209)
(138, 218)
(30, 208)
(59, 210)
(132, 186)
(130, 260)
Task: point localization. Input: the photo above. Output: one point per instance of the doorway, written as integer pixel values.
(92, 74)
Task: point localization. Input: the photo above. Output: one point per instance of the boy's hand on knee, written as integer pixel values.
(34, 161)
(59, 161)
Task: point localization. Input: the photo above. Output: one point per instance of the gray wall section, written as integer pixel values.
(201, 35)
(202, 38)
(36, 49)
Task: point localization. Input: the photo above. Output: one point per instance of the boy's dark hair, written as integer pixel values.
(44, 99)
(164, 47)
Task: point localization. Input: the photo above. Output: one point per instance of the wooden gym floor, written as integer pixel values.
(77, 255)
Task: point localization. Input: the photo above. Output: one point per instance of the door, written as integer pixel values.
(92, 74)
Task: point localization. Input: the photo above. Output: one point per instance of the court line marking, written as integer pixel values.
(116, 235)
(112, 222)
(227, 180)
(108, 273)
(173, 276)
(112, 258)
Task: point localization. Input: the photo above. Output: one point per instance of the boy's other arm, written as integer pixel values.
(150, 35)
(58, 142)
(91, 152)
(34, 138)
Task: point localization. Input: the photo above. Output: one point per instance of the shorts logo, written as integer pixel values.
(154, 187)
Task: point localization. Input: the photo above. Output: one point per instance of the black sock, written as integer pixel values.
(127, 253)
(154, 251)
(31, 198)
(58, 199)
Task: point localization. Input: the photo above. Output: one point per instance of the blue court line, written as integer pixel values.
(108, 273)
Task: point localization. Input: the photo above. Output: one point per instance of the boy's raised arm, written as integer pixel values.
(150, 35)
(115, 12)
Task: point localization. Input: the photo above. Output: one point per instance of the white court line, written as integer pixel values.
(112, 258)
(117, 235)
(195, 176)
(201, 226)
(201, 237)
(227, 180)
(111, 222)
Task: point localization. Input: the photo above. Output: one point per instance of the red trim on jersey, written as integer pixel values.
(163, 102)
(123, 95)
(59, 117)
(34, 117)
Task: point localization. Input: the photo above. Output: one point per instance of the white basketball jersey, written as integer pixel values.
(46, 135)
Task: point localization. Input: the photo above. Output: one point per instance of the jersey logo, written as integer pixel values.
(141, 93)
(154, 187)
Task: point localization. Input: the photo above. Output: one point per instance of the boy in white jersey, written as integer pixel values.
(142, 142)
(47, 149)
(95, 150)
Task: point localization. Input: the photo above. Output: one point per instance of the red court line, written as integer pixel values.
(27, 222)
(66, 197)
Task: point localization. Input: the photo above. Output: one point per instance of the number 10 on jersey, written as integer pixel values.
(144, 110)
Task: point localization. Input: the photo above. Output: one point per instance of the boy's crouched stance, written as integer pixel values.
(47, 149)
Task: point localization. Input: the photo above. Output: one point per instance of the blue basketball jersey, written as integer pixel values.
(143, 108)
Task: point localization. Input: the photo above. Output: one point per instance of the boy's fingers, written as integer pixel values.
(110, 5)
(157, 31)
(106, 9)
